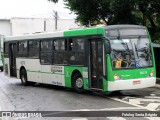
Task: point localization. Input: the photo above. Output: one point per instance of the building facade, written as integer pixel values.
(20, 26)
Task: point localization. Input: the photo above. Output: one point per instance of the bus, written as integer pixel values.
(109, 58)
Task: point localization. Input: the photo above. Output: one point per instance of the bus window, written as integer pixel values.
(46, 45)
(60, 45)
(46, 52)
(76, 54)
(34, 49)
(60, 53)
(22, 49)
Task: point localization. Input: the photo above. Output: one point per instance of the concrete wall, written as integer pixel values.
(22, 26)
(5, 27)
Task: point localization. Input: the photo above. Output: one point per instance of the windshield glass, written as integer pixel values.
(131, 53)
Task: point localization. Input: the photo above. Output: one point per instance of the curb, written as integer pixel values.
(158, 85)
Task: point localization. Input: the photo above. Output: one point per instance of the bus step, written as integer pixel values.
(96, 89)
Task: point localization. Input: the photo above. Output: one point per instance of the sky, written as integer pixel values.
(33, 9)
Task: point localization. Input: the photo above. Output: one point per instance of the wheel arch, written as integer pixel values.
(73, 73)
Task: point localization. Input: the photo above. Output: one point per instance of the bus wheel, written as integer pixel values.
(23, 76)
(77, 83)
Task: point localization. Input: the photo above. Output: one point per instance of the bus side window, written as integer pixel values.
(46, 52)
(60, 53)
(22, 49)
(77, 53)
(34, 49)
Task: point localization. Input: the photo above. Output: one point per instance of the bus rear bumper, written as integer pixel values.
(131, 84)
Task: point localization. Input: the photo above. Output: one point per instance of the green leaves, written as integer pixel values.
(93, 12)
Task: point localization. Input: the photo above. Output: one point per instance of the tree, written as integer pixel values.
(122, 12)
(92, 12)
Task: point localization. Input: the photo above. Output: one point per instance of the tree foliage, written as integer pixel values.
(92, 12)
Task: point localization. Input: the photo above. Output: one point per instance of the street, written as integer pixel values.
(16, 97)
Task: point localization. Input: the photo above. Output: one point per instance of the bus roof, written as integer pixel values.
(75, 32)
(123, 26)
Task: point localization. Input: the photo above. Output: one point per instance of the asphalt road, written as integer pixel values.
(16, 97)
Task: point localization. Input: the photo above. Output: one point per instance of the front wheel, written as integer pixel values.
(23, 77)
(77, 83)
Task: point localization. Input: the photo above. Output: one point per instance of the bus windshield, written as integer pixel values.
(131, 53)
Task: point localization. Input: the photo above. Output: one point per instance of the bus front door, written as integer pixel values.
(12, 59)
(96, 64)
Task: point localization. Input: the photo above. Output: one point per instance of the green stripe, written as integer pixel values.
(42, 72)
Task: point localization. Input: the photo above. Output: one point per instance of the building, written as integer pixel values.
(20, 26)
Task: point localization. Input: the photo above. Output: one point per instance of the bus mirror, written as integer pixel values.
(108, 47)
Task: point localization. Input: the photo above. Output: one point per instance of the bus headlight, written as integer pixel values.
(116, 77)
(151, 74)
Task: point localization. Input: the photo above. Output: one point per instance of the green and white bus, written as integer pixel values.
(111, 58)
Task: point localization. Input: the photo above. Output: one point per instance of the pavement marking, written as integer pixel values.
(116, 118)
(152, 97)
(80, 119)
(142, 107)
(153, 106)
(138, 100)
(152, 118)
(108, 109)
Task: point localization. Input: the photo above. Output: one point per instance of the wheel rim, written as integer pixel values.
(79, 83)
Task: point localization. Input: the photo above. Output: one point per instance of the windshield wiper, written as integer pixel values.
(136, 50)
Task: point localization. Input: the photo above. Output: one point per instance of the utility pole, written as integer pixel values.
(56, 18)
(45, 25)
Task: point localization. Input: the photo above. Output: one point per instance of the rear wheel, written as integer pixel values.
(23, 77)
(77, 83)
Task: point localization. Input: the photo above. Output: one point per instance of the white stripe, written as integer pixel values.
(153, 97)
(105, 109)
(153, 106)
(116, 99)
(152, 118)
(134, 101)
(116, 118)
(80, 119)
(138, 100)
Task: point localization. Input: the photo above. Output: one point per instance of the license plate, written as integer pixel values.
(136, 82)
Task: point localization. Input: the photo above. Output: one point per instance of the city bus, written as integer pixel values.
(109, 58)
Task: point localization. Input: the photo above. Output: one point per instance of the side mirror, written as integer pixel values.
(108, 47)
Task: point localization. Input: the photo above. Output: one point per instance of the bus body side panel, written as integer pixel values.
(52, 74)
(68, 73)
(32, 67)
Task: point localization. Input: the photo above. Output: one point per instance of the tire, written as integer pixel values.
(23, 77)
(77, 83)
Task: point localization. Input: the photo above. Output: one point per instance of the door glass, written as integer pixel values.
(96, 63)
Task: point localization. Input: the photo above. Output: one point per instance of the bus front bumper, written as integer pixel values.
(131, 84)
